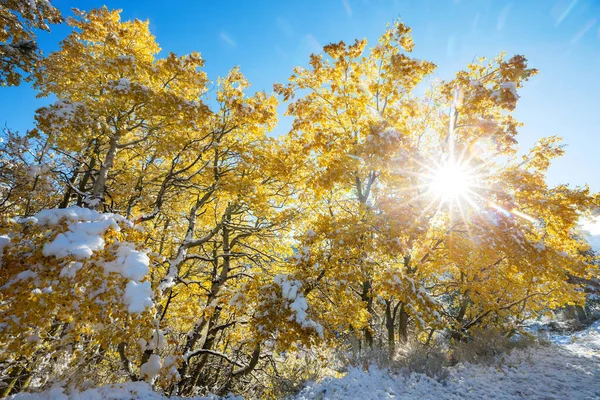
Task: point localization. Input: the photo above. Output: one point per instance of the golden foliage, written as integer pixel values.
(260, 245)
(18, 50)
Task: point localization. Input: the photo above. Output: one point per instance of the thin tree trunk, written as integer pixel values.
(403, 324)
(14, 375)
(84, 181)
(457, 333)
(581, 315)
(389, 324)
(100, 182)
(366, 297)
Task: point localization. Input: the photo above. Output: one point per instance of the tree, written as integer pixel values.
(74, 285)
(18, 49)
(151, 232)
(115, 96)
(389, 239)
(210, 191)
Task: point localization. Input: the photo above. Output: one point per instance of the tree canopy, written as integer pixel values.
(151, 229)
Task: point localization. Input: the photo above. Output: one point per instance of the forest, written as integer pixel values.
(152, 229)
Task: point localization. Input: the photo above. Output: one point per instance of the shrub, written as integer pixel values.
(484, 345)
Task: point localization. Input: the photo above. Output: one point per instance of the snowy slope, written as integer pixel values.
(568, 369)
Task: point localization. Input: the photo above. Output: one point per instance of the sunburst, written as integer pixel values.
(451, 181)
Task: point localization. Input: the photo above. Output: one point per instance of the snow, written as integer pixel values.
(80, 241)
(70, 270)
(138, 296)
(4, 241)
(122, 391)
(567, 369)
(130, 263)
(290, 290)
(53, 217)
(390, 135)
(151, 368)
(61, 112)
(511, 87)
(122, 84)
(21, 276)
(85, 236)
(158, 341)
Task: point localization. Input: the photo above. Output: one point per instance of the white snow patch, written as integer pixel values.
(130, 263)
(158, 341)
(116, 391)
(290, 290)
(4, 241)
(151, 368)
(70, 270)
(138, 296)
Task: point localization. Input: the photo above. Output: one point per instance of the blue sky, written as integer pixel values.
(267, 38)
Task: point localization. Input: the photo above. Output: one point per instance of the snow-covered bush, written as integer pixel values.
(430, 360)
(74, 284)
(297, 369)
(485, 345)
(411, 357)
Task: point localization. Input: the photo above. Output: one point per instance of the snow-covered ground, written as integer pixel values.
(567, 369)
(124, 391)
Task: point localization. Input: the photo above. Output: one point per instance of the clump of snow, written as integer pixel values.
(52, 217)
(121, 85)
(238, 299)
(70, 269)
(62, 112)
(290, 290)
(591, 231)
(511, 87)
(130, 263)
(85, 235)
(170, 365)
(158, 341)
(301, 255)
(81, 240)
(142, 343)
(390, 135)
(151, 368)
(138, 296)
(21, 276)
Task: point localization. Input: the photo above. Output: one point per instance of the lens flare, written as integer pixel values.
(451, 181)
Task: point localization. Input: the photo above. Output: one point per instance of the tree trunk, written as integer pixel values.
(100, 182)
(13, 377)
(84, 181)
(389, 324)
(403, 324)
(208, 345)
(366, 297)
(217, 282)
(457, 333)
(581, 315)
(240, 373)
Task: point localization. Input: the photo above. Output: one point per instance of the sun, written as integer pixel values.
(451, 181)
